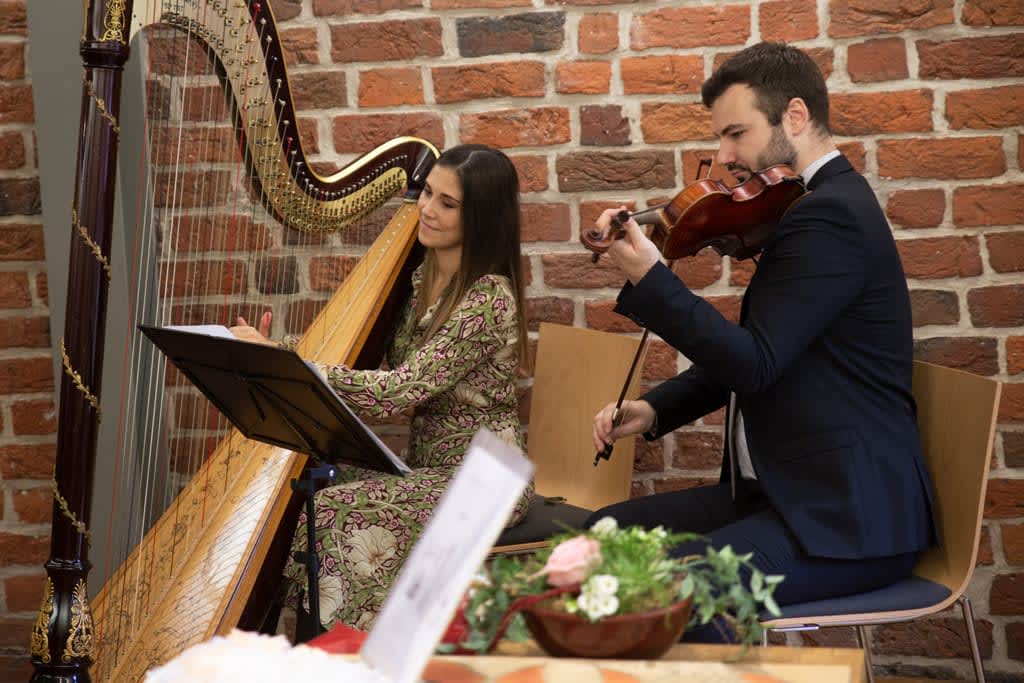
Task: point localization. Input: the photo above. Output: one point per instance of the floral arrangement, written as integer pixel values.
(606, 571)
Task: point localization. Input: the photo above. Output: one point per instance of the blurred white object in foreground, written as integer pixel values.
(255, 658)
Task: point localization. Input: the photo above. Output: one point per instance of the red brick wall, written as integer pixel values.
(597, 102)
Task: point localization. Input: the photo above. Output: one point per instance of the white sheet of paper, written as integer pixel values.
(208, 330)
(466, 523)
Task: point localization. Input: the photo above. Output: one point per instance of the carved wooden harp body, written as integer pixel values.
(192, 570)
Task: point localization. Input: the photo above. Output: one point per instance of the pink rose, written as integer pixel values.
(571, 561)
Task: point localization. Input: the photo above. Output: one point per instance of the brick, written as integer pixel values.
(741, 271)
(1005, 251)
(13, 17)
(701, 270)
(517, 127)
(12, 61)
(208, 277)
(855, 153)
(603, 125)
(670, 74)
(481, 81)
(1011, 404)
(728, 306)
(992, 13)
(685, 27)
(550, 309)
(1014, 355)
(16, 104)
(975, 57)
(681, 483)
(342, 8)
(988, 205)
(27, 461)
(309, 139)
(583, 78)
(985, 557)
(996, 306)
(979, 355)
(390, 87)
(301, 46)
(660, 362)
(592, 171)
(591, 211)
(193, 411)
(1013, 449)
(1004, 498)
(829, 637)
(42, 289)
(697, 450)
(638, 489)
(459, 4)
(905, 111)
(14, 290)
(850, 18)
(356, 133)
(872, 61)
(532, 171)
(986, 108)
(24, 593)
(1013, 543)
(575, 271)
(951, 158)
(16, 549)
(177, 53)
(934, 307)
(319, 90)
(672, 122)
(545, 222)
(598, 33)
(939, 257)
(218, 232)
(1015, 640)
(20, 197)
(326, 273)
(649, 455)
(24, 332)
(788, 20)
(526, 32)
(1007, 594)
(33, 506)
(286, 9)
(12, 150)
(192, 189)
(944, 638)
(916, 208)
(600, 315)
(201, 103)
(34, 417)
(386, 41)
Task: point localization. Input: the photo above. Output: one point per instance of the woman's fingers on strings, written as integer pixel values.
(265, 321)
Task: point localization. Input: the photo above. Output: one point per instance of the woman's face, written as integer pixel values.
(440, 206)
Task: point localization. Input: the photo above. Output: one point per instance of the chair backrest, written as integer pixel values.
(578, 371)
(956, 415)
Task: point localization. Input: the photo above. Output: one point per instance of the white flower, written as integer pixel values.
(659, 533)
(597, 597)
(605, 526)
(371, 548)
(603, 584)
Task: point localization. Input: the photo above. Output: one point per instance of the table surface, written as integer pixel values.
(525, 663)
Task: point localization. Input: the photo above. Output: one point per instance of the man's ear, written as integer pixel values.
(797, 117)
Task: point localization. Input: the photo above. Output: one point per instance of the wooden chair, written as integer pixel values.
(956, 415)
(576, 372)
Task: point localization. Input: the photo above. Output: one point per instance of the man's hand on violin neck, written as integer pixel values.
(634, 254)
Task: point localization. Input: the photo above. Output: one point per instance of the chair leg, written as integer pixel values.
(972, 637)
(862, 640)
(764, 637)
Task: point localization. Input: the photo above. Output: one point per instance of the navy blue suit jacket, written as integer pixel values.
(821, 366)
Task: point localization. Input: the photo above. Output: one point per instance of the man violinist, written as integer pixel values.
(823, 478)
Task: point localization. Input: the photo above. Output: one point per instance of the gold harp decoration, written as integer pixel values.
(114, 21)
(40, 640)
(93, 247)
(79, 643)
(77, 379)
(107, 116)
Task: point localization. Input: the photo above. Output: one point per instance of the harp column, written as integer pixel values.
(62, 639)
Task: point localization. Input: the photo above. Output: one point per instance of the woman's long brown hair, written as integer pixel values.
(490, 234)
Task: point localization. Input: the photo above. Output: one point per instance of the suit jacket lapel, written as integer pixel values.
(833, 168)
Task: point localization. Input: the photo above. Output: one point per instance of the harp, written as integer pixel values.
(204, 554)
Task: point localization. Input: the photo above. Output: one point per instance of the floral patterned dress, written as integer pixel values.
(461, 379)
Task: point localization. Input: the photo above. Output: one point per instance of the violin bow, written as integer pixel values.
(606, 452)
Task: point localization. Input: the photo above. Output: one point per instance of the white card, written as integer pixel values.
(467, 521)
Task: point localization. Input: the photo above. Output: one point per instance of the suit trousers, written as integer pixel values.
(751, 525)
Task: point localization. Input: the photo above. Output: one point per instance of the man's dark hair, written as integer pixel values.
(777, 73)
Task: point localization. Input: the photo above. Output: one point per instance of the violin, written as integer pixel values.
(734, 220)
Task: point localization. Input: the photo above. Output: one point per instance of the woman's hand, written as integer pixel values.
(635, 417)
(245, 332)
(634, 254)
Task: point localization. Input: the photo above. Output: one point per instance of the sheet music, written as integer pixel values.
(208, 330)
(456, 540)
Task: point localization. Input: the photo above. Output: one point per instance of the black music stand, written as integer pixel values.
(270, 394)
